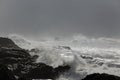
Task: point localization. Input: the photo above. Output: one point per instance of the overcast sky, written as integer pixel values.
(60, 17)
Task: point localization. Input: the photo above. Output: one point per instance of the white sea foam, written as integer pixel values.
(86, 56)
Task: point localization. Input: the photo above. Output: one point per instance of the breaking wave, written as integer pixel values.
(85, 55)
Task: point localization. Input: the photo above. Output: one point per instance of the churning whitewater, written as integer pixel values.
(84, 55)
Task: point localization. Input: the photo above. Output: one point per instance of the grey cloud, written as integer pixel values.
(61, 17)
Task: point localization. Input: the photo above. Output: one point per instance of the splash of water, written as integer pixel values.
(85, 55)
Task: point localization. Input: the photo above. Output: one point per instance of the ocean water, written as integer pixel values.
(84, 55)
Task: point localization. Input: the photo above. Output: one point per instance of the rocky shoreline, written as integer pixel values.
(22, 65)
(18, 64)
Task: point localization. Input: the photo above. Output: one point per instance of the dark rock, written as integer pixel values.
(15, 58)
(5, 73)
(22, 78)
(97, 76)
(11, 56)
(62, 69)
(43, 71)
(34, 58)
(7, 43)
(22, 64)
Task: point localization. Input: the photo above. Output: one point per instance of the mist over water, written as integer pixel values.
(82, 33)
(85, 55)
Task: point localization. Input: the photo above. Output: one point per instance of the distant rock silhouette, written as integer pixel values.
(97, 76)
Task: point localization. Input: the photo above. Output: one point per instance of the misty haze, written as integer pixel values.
(64, 18)
(59, 39)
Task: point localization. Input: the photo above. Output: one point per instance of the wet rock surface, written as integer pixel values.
(97, 76)
(18, 64)
(7, 43)
(5, 73)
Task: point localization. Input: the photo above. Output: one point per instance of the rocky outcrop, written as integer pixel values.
(40, 71)
(61, 69)
(7, 43)
(5, 73)
(11, 56)
(97, 76)
(22, 65)
(43, 71)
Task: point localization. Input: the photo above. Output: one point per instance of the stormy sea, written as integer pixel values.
(69, 59)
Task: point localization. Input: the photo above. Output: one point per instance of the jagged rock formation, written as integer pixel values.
(5, 73)
(11, 56)
(61, 69)
(7, 43)
(43, 71)
(23, 65)
(97, 76)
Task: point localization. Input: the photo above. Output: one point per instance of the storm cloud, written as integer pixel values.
(60, 17)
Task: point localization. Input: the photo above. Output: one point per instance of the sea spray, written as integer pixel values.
(98, 54)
